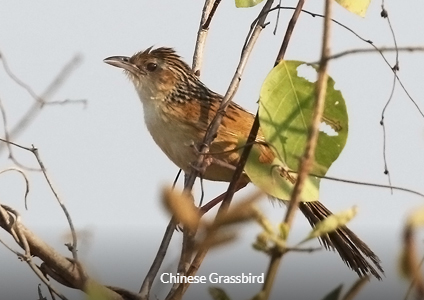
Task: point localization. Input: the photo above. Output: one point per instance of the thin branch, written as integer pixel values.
(289, 31)
(6, 135)
(395, 69)
(33, 150)
(367, 50)
(157, 262)
(73, 247)
(34, 246)
(25, 178)
(40, 102)
(366, 183)
(208, 12)
(18, 81)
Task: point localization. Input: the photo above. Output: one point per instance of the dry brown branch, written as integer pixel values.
(64, 267)
(12, 219)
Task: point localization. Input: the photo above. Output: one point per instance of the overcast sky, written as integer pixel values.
(109, 172)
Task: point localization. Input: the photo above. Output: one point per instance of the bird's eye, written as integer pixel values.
(151, 67)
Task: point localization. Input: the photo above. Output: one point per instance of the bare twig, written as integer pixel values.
(40, 102)
(18, 81)
(157, 262)
(380, 50)
(73, 247)
(207, 14)
(6, 135)
(395, 69)
(398, 188)
(34, 246)
(289, 31)
(25, 178)
(33, 150)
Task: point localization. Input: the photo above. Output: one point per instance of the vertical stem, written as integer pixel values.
(308, 157)
(289, 31)
(208, 12)
(320, 90)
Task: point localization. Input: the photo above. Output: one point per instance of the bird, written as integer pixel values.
(178, 109)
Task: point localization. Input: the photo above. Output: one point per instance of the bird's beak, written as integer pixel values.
(122, 62)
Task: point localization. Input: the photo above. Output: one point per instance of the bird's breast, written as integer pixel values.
(179, 128)
(172, 133)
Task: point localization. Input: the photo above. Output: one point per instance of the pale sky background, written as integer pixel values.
(109, 172)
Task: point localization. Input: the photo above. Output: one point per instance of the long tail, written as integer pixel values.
(353, 251)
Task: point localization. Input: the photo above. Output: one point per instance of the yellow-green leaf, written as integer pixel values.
(247, 3)
(358, 7)
(332, 223)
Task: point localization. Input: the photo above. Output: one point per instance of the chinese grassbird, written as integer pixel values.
(178, 108)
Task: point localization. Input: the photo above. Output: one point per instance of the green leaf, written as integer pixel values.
(332, 222)
(285, 112)
(358, 7)
(247, 3)
(218, 294)
(334, 294)
(269, 178)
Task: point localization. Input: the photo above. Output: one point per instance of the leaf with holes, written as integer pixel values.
(285, 113)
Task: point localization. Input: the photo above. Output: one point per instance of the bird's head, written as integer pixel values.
(155, 73)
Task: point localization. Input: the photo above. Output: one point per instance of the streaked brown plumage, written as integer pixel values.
(178, 108)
